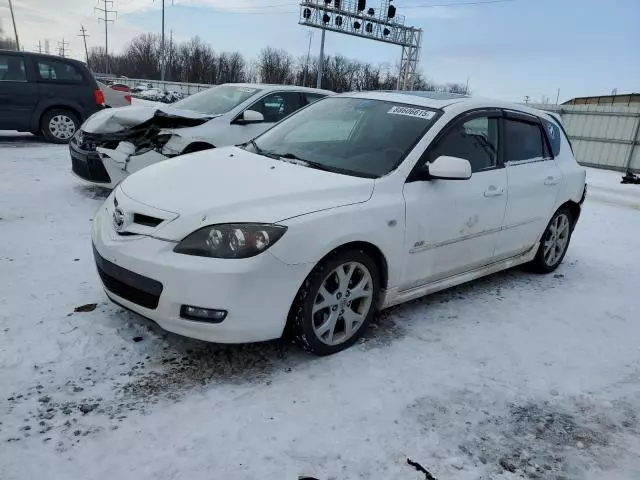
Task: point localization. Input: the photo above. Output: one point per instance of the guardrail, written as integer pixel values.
(181, 87)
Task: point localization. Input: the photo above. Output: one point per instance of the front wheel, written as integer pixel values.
(336, 302)
(59, 125)
(554, 243)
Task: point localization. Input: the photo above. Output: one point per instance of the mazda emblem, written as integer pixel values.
(118, 219)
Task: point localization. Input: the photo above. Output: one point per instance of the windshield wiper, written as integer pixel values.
(264, 153)
(321, 166)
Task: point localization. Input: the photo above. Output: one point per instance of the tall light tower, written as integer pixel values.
(163, 54)
(352, 17)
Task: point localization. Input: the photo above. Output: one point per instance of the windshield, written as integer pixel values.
(217, 100)
(357, 136)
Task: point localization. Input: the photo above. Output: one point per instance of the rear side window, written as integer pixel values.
(55, 71)
(523, 141)
(12, 69)
(554, 135)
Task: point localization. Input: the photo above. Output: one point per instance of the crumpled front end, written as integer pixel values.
(118, 142)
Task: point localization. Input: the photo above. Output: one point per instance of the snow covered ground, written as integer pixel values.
(513, 376)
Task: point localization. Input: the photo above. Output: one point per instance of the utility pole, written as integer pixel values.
(39, 46)
(62, 47)
(84, 35)
(15, 29)
(321, 61)
(106, 11)
(163, 54)
(558, 97)
(306, 65)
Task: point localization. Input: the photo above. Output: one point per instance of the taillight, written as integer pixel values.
(121, 88)
(127, 98)
(99, 97)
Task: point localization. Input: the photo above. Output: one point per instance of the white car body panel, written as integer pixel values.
(431, 234)
(266, 190)
(220, 131)
(114, 98)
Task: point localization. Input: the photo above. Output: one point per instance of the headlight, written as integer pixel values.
(231, 240)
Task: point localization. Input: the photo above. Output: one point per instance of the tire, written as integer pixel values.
(59, 125)
(553, 245)
(324, 330)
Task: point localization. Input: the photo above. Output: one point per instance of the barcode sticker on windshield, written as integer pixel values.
(412, 112)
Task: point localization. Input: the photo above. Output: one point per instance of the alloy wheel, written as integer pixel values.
(556, 239)
(342, 303)
(62, 127)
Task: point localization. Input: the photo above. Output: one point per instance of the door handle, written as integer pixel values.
(551, 181)
(493, 191)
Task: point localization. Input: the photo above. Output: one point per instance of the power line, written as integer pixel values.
(106, 12)
(84, 35)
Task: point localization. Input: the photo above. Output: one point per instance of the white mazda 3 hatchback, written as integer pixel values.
(357, 202)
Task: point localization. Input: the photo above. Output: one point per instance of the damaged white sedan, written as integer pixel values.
(117, 142)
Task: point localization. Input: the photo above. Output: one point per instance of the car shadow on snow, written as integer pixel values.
(94, 192)
(17, 140)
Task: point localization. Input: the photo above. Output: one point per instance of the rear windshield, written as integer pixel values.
(217, 100)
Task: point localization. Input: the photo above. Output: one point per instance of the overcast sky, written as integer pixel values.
(507, 49)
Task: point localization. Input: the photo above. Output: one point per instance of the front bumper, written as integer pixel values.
(144, 275)
(87, 165)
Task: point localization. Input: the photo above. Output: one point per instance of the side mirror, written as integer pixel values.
(450, 168)
(250, 116)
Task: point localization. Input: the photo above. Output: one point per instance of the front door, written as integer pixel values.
(452, 225)
(18, 96)
(273, 107)
(534, 182)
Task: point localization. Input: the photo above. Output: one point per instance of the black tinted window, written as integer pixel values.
(276, 106)
(475, 140)
(523, 141)
(53, 70)
(12, 69)
(554, 136)
(312, 97)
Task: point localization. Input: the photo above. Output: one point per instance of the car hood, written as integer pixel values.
(231, 185)
(113, 120)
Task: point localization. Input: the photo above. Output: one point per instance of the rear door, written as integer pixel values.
(18, 95)
(534, 181)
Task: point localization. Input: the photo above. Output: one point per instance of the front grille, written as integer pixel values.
(146, 220)
(88, 165)
(126, 284)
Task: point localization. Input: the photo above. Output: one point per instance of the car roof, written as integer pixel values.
(272, 86)
(442, 100)
(43, 55)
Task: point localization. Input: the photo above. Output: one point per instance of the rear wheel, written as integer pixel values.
(59, 125)
(336, 302)
(554, 243)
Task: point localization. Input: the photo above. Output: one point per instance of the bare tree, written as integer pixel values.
(6, 43)
(276, 66)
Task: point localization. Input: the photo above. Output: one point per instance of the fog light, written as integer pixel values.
(202, 314)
